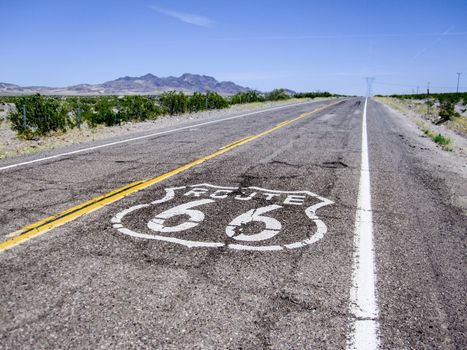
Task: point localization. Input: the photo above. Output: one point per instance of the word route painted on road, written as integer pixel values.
(209, 216)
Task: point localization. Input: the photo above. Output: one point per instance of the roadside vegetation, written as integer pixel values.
(443, 141)
(449, 109)
(445, 110)
(46, 114)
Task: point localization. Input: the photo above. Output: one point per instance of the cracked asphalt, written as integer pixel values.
(135, 282)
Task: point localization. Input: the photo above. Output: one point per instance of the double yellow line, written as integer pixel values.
(68, 215)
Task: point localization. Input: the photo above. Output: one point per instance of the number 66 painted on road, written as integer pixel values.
(273, 226)
(235, 229)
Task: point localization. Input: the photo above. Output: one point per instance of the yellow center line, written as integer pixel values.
(235, 142)
(42, 226)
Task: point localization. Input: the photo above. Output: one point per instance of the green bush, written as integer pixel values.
(137, 108)
(104, 113)
(313, 94)
(247, 97)
(447, 111)
(277, 95)
(197, 102)
(173, 102)
(442, 140)
(43, 114)
(216, 101)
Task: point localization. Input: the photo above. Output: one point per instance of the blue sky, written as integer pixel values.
(304, 45)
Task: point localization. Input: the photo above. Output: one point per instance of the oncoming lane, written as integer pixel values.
(36, 191)
(63, 217)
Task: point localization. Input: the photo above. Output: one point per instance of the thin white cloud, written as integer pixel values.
(437, 40)
(340, 36)
(184, 17)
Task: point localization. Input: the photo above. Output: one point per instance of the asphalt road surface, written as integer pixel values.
(319, 226)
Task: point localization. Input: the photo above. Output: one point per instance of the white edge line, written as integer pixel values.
(363, 334)
(151, 135)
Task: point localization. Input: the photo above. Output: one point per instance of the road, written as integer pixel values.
(319, 226)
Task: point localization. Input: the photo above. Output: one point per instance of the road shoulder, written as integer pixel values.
(450, 166)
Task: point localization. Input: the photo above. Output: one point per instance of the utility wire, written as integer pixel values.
(411, 86)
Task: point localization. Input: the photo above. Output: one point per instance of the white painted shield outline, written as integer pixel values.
(321, 228)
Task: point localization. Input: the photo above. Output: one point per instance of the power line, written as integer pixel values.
(411, 86)
(369, 84)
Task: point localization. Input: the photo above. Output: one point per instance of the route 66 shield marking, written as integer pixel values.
(250, 218)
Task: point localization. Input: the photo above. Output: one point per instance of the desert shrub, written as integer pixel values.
(139, 108)
(173, 102)
(447, 111)
(103, 113)
(313, 94)
(277, 95)
(247, 97)
(197, 102)
(216, 101)
(442, 140)
(43, 114)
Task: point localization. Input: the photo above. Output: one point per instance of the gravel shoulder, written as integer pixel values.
(451, 166)
(414, 114)
(11, 145)
(419, 210)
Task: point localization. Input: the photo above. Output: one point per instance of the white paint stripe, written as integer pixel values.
(255, 248)
(364, 323)
(187, 243)
(150, 135)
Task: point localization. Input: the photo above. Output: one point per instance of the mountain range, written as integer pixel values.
(148, 84)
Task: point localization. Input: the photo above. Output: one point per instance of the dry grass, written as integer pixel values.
(443, 141)
(458, 124)
(393, 103)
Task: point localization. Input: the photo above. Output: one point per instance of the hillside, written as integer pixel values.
(147, 84)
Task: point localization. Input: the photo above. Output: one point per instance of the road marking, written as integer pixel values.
(294, 201)
(272, 226)
(363, 307)
(68, 215)
(149, 135)
(196, 217)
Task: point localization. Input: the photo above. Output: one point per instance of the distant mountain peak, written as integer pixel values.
(148, 76)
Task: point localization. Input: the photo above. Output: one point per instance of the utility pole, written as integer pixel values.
(458, 78)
